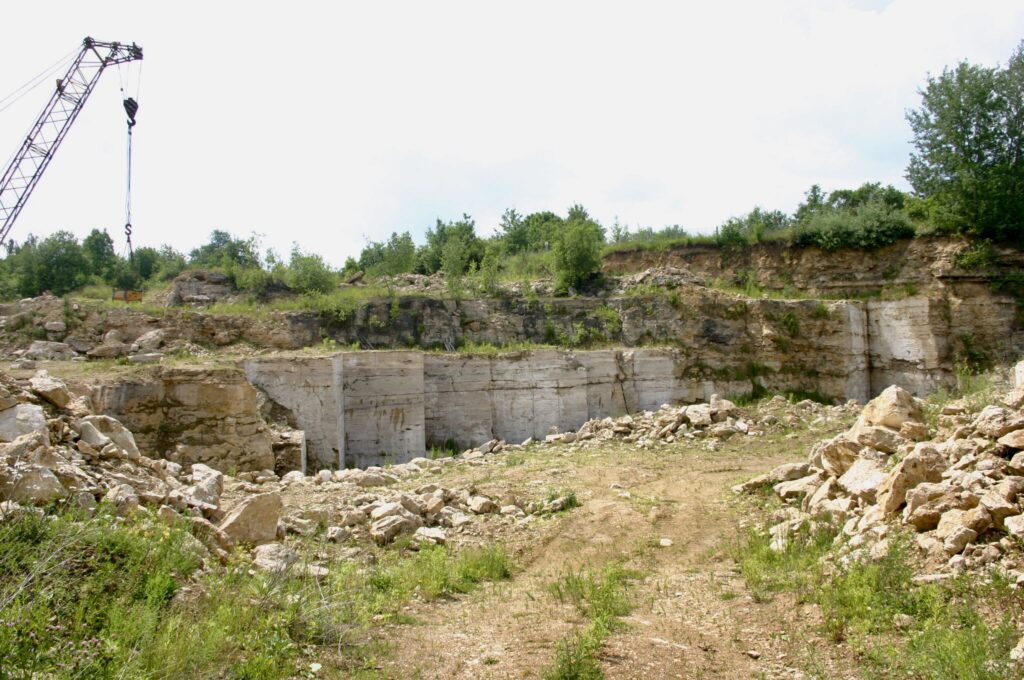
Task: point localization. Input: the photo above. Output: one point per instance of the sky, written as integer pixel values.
(330, 123)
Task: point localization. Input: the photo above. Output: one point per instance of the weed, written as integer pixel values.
(599, 596)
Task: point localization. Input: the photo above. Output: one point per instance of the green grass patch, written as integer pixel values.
(104, 597)
(600, 597)
(944, 632)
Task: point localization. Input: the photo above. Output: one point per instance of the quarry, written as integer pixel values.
(686, 434)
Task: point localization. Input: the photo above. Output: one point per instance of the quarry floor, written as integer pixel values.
(692, 615)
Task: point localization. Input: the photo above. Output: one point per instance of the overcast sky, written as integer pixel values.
(327, 123)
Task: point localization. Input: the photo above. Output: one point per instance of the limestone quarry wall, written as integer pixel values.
(373, 407)
(370, 407)
(191, 415)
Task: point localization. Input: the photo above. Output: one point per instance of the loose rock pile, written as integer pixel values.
(53, 449)
(958, 486)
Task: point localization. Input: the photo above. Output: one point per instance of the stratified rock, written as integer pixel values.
(255, 519)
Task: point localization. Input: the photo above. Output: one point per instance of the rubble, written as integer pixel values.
(959, 488)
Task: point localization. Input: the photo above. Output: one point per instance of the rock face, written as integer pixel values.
(200, 288)
(200, 415)
(370, 408)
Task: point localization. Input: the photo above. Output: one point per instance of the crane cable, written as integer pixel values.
(131, 107)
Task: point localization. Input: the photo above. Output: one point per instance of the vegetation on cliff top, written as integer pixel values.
(967, 174)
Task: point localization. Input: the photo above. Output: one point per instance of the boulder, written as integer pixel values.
(388, 528)
(45, 350)
(51, 389)
(112, 429)
(1015, 526)
(863, 479)
(255, 519)
(1018, 374)
(923, 464)
(996, 421)
(274, 557)
(836, 455)
(21, 419)
(35, 485)
(893, 407)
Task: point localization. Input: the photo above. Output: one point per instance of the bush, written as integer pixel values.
(870, 226)
(310, 274)
(578, 253)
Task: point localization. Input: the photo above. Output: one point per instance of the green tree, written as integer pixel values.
(309, 273)
(431, 255)
(56, 264)
(98, 248)
(578, 249)
(455, 260)
(968, 162)
(227, 252)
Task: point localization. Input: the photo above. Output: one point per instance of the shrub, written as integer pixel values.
(578, 253)
(310, 274)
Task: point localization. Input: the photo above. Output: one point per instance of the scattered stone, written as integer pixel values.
(254, 520)
(274, 557)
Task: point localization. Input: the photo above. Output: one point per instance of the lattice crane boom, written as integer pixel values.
(49, 130)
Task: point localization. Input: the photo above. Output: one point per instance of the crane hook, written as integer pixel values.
(131, 107)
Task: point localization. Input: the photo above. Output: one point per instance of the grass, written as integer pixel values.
(974, 389)
(768, 571)
(962, 629)
(601, 598)
(103, 597)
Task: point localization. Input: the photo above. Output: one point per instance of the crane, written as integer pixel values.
(27, 166)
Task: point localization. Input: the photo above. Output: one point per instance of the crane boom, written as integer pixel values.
(49, 130)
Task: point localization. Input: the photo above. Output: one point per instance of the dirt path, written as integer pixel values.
(692, 617)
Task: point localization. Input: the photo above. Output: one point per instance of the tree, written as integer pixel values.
(454, 262)
(98, 248)
(226, 252)
(578, 249)
(56, 264)
(968, 163)
(309, 273)
(431, 256)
